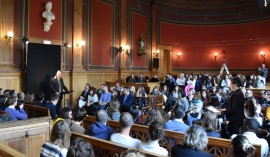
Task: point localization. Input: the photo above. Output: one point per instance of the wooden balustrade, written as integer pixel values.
(217, 146)
(6, 151)
(34, 111)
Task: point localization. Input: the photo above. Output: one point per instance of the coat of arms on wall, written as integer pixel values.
(141, 46)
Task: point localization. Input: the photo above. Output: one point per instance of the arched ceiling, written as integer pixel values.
(213, 11)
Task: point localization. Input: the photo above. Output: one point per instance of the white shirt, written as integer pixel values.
(253, 139)
(93, 98)
(180, 81)
(153, 147)
(125, 140)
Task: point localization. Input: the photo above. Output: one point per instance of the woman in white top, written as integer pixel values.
(181, 80)
(92, 97)
(225, 84)
(155, 134)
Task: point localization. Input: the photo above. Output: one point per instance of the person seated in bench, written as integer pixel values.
(155, 134)
(80, 148)
(40, 100)
(105, 98)
(210, 124)
(52, 105)
(83, 99)
(132, 153)
(126, 100)
(126, 121)
(99, 128)
(59, 142)
(177, 124)
(194, 143)
(252, 127)
(19, 114)
(241, 146)
(78, 116)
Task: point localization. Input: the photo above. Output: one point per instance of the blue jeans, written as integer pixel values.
(190, 119)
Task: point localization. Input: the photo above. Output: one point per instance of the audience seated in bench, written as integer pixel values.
(216, 146)
(105, 148)
(34, 111)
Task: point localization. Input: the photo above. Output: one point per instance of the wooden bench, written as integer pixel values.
(217, 146)
(34, 111)
(106, 148)
(6, 151)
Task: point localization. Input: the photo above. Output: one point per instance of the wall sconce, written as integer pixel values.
(156, 53)
(80, 44)
(179, 54)
(9, 35)
(124, 49)
(25, 40)
(66, 45)
(215, 56)
(262, 53)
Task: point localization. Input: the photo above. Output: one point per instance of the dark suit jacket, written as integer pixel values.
(235, 107)
(183, 151)
(85, 95)
(55, 85)
(125, 104)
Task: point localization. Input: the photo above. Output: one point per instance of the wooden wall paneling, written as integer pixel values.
(100, 77)
(6, 24)
(79, 80)
(165, 62)
(11, 81)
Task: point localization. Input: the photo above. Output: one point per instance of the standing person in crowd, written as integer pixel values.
(58, 87)
(16, 114)
(123, 137)
(126, 100)
(194, 143)
(155, 134)
(241, 147)
(235, 108)
(105, 98)
(84, 96)
(59, 142)
(80, 148)
(263, 71)
(177, 123)
(99, 129)
(52, 105)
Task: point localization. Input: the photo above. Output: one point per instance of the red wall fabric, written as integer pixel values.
(139, 26)
(102, 33)
(36, 27)
(198, 43)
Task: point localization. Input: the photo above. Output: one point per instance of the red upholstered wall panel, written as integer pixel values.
(139, 26)
(102, 33)
(36, 29)
(198, 47)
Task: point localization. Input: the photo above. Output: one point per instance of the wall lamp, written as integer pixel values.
(80, 44)
(179, 54)
(215, 56)
(262, 53)
(25, 40)
(66, 45)
(156, 53)
(9, 35)
(124, 49)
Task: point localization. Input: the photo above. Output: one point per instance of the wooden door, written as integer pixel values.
(165, 61)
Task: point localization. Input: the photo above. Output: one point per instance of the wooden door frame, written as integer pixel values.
(161, 58)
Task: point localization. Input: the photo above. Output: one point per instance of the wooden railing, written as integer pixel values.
(105, 148)
(36, 111)
(217, 146)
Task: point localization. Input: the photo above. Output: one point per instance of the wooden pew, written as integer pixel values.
(26, 136)
(34, 111)
(6, 151)
(216, 146)
(106, 148)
